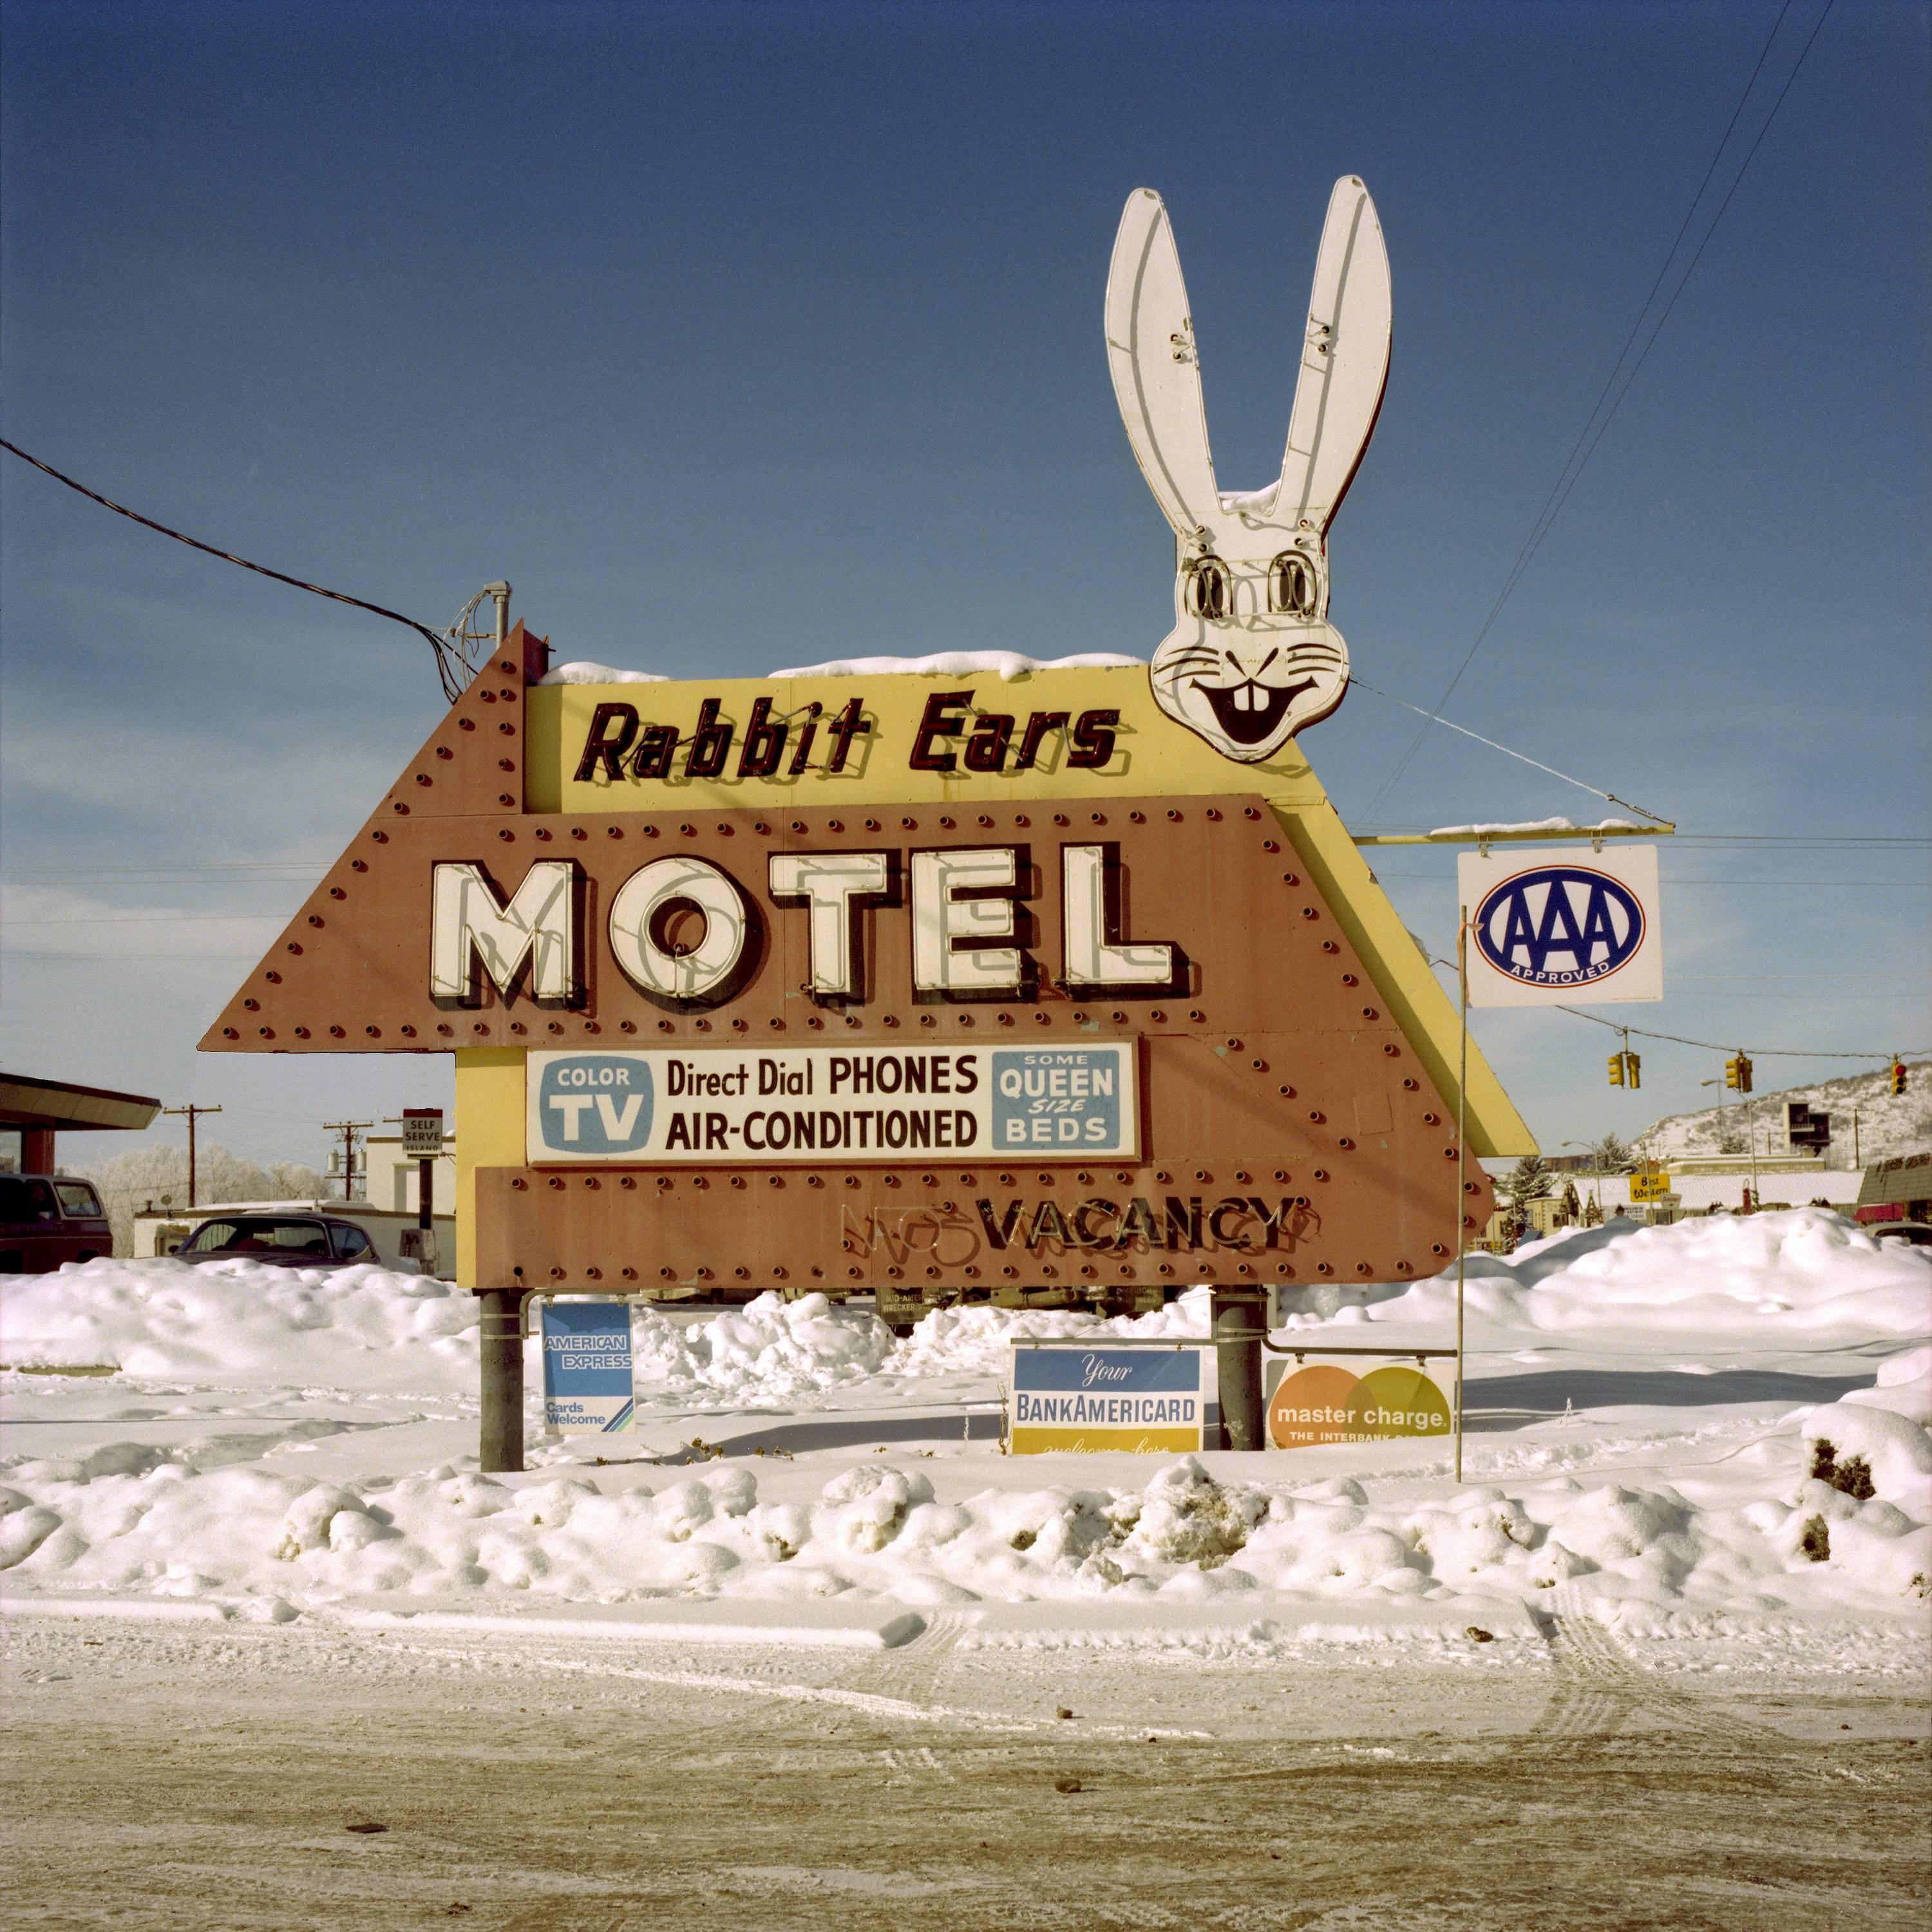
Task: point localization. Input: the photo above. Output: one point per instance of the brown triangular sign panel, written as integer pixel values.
(355, 956)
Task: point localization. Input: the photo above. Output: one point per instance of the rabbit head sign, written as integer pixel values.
(1251, 658)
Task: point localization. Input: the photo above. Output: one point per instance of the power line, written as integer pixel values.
(1733, 1046)
(452, 684)
(1524, 757)
(1573, 469)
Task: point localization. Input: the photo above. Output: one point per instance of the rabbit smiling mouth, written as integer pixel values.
(1249, 712)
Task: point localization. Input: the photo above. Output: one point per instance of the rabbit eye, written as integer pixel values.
(1292, 585)
(1205, 592)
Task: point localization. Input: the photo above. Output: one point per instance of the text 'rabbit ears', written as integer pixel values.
(1156, 369)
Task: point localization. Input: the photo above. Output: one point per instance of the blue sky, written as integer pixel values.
(736, 335)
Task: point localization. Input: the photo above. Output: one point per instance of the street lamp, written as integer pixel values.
(1597, 1192)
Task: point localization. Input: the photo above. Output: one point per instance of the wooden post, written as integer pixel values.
(1240, 1320)
(501, 1444)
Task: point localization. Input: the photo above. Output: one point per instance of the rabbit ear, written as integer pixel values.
(1157, 370)
(1345, 359)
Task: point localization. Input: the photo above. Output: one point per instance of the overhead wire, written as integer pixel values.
(448, 665)
(1573, 468)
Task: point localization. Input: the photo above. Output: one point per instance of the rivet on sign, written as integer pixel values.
(629, 1274)
(1369, 1013)
(1172, 814)
(1242, 1267)
(985, 818)
(1322, 1267)
(1429, 1120)
(1196, 1014)
(443, 1026)
(504, 798)
(380, 838)
(507, 730)
(267, 1032)
(1282, 1268)
(594, 1274)
(1317, 1118)
(400, 808)
(1241, 1174)
(556, 1180)
(1214, 814)
(1290, 879)
(423, 779)
(373, 1032)
(480, 1026)
(1042, 1019)
(892, 1019)
(1309, 912)
(1345, 1142)
(1392, 1050)
(301, 1032)
(1163, 1269)
(1470, 1186)
(407, 1032)
(1329, 946)
(1270, 845)
(725, 831)
(335, 1033)
(507, 836)
(910, 824)
(465, 724)
(1437, 1248)
(617, 831)
(703, 1026)
(520, 1184)
(663, 1274)
(627, 1181)
(965, 1019)
(946, 824)
(1137, 817)
(741, 1026)
(1408, 1085)
(1322, 1173)
(926, 1019)
(1449, 1153)
(1059, 818)
(1022, 819)
(557, 1274)
(1249, 812)
(1348, 979)
(1160, 1175)
(1259, 1065)
(1201, 1174)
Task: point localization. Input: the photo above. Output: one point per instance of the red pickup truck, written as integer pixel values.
(49, 1219)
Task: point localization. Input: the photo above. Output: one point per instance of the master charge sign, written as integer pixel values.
(798, 1104)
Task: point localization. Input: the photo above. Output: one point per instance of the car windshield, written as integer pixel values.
(351, 1243)
(77, 1198)
(259, 1235)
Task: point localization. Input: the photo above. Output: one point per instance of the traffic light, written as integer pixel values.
(1733, 1075)
(1898, 1076)
(1743, 1074)
(1634, 1067)
(1616, 1069)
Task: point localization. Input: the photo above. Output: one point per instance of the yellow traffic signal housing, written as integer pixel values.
(1732, 1074)
(1616, 1069)
(1634, 1067)
(1744, 1075)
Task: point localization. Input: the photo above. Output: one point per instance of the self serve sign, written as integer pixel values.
(1569, 924)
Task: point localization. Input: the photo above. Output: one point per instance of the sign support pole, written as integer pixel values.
(500, 1446)
(1239, 1320)
(1462, 1130)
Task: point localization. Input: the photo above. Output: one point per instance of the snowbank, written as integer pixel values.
(133, 1518)
(768, 1351)
(975, 1341)
(1805, 1273)
(237, 1324)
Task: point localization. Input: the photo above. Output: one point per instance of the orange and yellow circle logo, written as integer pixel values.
(1324, 1403)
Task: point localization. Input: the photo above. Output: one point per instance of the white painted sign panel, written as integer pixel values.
(804, 1105)
(1573, 926)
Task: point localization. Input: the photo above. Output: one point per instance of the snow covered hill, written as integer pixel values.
(1889, 1123)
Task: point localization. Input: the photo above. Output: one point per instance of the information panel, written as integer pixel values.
(1316, 1397)
(586, 1363)
(734, 1104)
(1074, 1395)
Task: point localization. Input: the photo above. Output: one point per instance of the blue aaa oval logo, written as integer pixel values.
(594, 1103)
(1559, 926)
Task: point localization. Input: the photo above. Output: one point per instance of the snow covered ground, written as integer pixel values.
(1645, 1409)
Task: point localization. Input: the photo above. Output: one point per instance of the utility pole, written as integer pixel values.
(190, 1111)
(348, 1129)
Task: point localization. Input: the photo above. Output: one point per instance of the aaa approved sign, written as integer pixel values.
(798, 1104)
(1571, 924)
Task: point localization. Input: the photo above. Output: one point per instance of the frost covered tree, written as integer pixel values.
(128, 1182)
(1529, 1180)
(1612, 1155)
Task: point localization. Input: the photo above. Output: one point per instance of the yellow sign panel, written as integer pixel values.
(1649, 1184)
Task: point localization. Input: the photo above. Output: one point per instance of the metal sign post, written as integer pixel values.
(1461, 1109)
(422, 1136)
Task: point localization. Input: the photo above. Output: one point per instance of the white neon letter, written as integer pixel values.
(1091, 961)
(469, 928)
(941, 920)
(702, 972)
(832, 884)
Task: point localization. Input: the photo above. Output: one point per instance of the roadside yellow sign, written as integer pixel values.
(1649, 1183)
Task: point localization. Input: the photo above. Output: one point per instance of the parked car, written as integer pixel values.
(1913, 1234)
(46, 1219)
(279, 1241)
